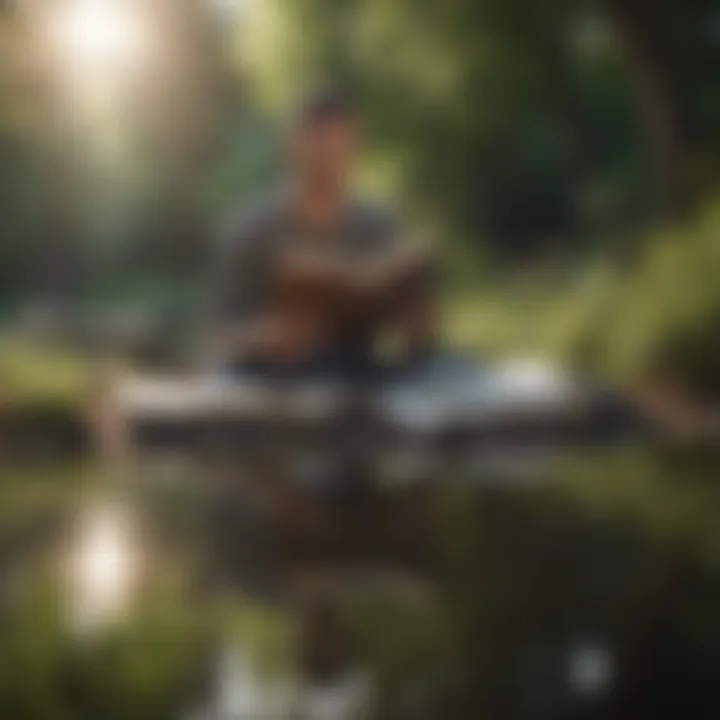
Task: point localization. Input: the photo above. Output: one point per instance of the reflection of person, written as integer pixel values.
(317, 217)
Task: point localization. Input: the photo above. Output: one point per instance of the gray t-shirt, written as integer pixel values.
(243, 282)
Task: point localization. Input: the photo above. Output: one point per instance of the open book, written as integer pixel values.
(321, 296)
(330, 281)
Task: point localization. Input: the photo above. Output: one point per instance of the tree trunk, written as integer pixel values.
(649, 67)
(555, 56)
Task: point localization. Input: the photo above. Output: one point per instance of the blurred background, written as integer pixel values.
(564, 155)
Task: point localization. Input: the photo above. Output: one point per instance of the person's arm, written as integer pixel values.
(243, 324)
(415, 315)
(237, 296)
(407, 286)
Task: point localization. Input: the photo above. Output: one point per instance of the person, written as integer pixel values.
(319, 213)
(321, 517)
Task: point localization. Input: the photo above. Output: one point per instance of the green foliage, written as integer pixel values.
(519, 124)
(139, 670)
(661, 315)
(44, 376)
(655, 318)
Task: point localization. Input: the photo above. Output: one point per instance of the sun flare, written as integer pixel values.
(98, 33)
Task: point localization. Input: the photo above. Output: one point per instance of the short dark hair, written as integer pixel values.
(321, 105)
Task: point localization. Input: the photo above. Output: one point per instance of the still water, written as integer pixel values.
(588, 595)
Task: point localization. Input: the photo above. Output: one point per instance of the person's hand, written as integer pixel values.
(272, 338)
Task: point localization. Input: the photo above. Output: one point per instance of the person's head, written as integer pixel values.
(322, 139)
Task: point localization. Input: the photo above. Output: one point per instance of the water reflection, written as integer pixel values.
(240, 693)
(591, 669)
(104, 566)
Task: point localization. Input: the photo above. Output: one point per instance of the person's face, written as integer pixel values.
(324, 153)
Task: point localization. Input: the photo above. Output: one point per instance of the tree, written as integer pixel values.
(641, 26)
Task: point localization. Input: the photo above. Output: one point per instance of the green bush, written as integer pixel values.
(661, 317)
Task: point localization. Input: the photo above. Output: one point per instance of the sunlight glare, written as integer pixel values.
(96, 32)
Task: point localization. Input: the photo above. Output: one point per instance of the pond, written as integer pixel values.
(590, 593)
